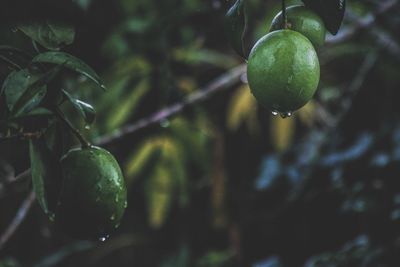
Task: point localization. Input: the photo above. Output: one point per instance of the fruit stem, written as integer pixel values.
(285, 21)
(60, 115)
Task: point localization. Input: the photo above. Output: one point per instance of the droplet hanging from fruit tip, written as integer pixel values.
(104, 238)
(285, 115)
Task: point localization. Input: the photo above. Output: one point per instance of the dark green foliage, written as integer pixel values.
(331, 12)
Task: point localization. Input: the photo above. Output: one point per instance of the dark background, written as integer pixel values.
(241, 187)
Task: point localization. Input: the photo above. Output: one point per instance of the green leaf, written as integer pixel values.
(14, 86)
(35, 92)
(50, 35)
(331, 12)
(70, 62)
(86, 110)
(45, 176)
(236, 26)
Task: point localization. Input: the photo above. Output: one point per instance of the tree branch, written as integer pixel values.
(222, 82)
(19, 217)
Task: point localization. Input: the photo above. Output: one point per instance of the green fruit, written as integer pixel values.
(93, 197)
(283, 71)
(304, 21)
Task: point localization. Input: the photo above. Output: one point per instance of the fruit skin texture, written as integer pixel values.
(304, 21)
(93, 198)
(283, 71)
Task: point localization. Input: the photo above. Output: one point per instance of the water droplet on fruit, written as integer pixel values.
(274, 113)
(104, 238)
(285, 115)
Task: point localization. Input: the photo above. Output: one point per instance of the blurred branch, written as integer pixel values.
(19, 217)
(222, 82)
(368, 24)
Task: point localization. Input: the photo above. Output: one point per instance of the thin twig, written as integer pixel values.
(18, 219)
(217, 85)
(22, 135)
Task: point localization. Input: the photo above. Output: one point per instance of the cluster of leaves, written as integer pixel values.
(30, 89)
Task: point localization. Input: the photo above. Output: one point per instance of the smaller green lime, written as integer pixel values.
(304, 21)
(283, 71)
(93, 196)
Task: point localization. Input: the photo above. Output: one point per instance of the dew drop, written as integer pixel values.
(117, 225)
(116, 199)
(274, 113)
(285, 115)
(104, 238)
(125, 204)
(14, 29)
(87, 127)
(112, 218)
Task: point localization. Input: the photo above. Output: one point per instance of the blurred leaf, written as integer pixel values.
(236, 26)
(125, 109)
(84, 4)
(332, 12)
(159, 191)
(361, 146)
(71, 62)
(307, 113)
(215, 259)
(195, 55)
(241, 108)
(282, 132)
(194, 137)
(44, 168)
(9, 262)
(270, 262)
(180, 259)
(50, 35)
(86, 110)
(55, 259)
(270, 171)
(138, 160)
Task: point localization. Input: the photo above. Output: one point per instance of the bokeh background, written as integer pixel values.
(225, 183)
